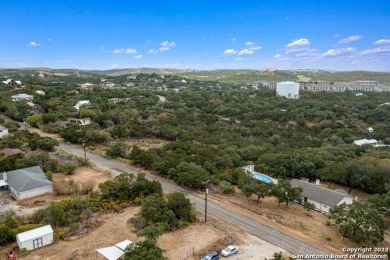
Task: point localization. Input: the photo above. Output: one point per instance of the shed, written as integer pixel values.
(35, 238)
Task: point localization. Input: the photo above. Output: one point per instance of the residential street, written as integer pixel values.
(264, 232)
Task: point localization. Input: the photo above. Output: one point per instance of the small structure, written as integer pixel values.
(3, 131)
(13, 83)
(288, 89)
(26, 183)
(81, 103)
(88, 86)
(35, 238)
(117, 100)
(81, 121)
(370, 130)
(7, 152)
(366, 141)
(114, 252)
(20, 97)
(40, 92)
(322, 198)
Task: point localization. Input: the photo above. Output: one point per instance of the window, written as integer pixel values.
(37, 243)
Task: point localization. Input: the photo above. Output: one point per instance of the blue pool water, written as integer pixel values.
(261, 177)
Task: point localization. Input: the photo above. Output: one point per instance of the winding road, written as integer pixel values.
(267, 233)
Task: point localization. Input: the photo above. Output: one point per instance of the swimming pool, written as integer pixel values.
(261, 177)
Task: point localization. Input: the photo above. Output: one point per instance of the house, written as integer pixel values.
(88, 86)
(35, 238)
(322, 198)
(365, 141)
(81, 121)
(116, 100)
(14, 83)
(81, 103)
(3, 131)
(249, 168)
(7, 152)
(114, 252)
(20, 97)
(26, 183)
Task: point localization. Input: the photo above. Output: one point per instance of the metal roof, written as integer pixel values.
(34, 233)
(111, 253)
(319, 193)
(27, 179)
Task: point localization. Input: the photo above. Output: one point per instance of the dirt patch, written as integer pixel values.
(293, 220)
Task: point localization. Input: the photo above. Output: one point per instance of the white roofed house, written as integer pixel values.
(88, 86)
(26, 183)
(366, 141)
(322, 198)
(81, 103)
(3, 131)
(35, 238)
(20, 97)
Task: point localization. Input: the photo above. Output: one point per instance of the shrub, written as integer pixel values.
(226, 187)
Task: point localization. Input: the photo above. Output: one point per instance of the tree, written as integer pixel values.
(181, 206)
(284, 192)
(260, 189)
(146, 250)
(359, 221)
(117, 150)
(155, 211)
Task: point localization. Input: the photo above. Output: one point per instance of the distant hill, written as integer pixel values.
(224, 75)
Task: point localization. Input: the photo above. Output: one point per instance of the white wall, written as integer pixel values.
(287, 89)
(3, 132)
(32, 193)
(47, 239)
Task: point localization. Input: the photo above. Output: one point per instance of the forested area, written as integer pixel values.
(214, 128)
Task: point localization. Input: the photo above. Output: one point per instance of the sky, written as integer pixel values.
(84, 34)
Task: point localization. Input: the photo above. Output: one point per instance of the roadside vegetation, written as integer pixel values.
(212, 129)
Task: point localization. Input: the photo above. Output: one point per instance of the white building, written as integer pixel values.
(81, 103)
(3, 131)
(26, 183)
(322, 198)
(365, 141)
(114, 252)
(288, 89)
(20, 97)
(40, 92)
(35, 238)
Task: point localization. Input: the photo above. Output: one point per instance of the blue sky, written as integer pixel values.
(84, 34)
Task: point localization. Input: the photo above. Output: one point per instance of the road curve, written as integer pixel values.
(267, 233)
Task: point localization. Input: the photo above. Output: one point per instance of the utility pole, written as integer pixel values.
(85, 154)
(205, 204)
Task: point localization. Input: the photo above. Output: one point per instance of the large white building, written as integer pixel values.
(288, 89)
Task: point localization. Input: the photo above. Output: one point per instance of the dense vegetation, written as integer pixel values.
(213, 128)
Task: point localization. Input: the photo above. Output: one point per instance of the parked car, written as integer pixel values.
(230, 250)
(211, 256)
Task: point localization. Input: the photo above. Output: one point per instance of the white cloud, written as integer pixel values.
(139, 56)
(166, 45)
(337, 52)
(118, 51)
(352, 38)
(238, 59)
(298, 43)
(49, 40)
(246, 52)
(148, 41)
(130, 51)
(230, 52)
(249, 43)
(277, 56)
(378, 50)
(234, 39)
(153, 51)
(382, 41)
(254, 48)
(33, 44)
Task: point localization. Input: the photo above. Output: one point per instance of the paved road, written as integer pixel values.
(290, 244)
